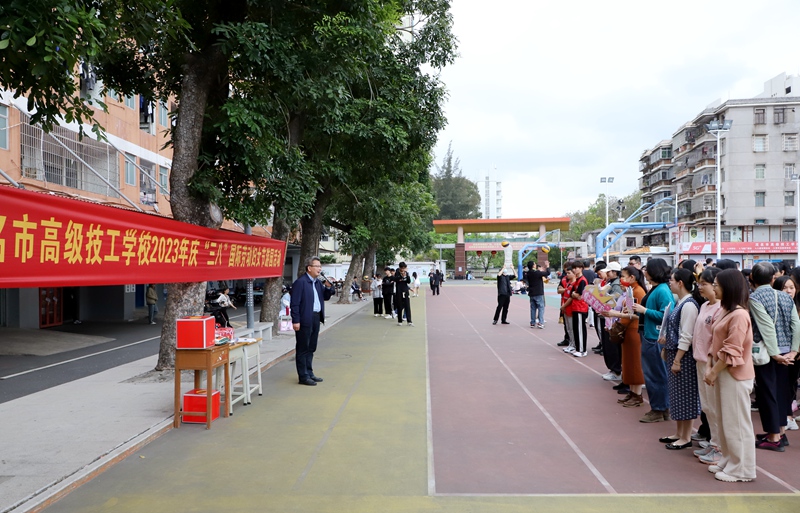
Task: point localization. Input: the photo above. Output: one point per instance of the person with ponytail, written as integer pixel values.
(684, 399)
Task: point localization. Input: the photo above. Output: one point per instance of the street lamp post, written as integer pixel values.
(716, 128)
(606, 180)
(796, 180)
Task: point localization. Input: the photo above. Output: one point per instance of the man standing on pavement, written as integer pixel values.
(308, 311)
(503, 294)
(151, 299)
(535, 279)
(401, 299)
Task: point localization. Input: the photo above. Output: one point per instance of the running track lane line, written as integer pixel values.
(535, 335)
(544, 411)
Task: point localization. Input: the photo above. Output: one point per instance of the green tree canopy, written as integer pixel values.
(457, 196)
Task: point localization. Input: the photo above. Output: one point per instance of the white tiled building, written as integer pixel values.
(758, 157)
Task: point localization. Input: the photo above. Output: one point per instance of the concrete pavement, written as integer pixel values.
(59, 438)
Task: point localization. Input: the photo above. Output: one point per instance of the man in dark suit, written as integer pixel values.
(308, 311)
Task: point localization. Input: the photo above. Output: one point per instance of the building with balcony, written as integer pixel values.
(757, 158)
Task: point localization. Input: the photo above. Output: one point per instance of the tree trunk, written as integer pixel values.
(355, 267)
(312, 225)
(369, 261)
(200, 76)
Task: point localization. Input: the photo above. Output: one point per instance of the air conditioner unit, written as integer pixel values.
(708, 207)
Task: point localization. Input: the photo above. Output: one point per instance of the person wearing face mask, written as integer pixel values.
(632, 376)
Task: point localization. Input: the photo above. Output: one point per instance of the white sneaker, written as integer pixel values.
(791, 424)
(610, 376)
(410, 323)
(569, 349)
(387, 316)
(578, 354)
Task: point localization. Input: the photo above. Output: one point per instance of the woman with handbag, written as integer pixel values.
(632, 375)
(730, 371)
(684, 398)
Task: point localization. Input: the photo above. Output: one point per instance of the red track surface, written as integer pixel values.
(513, 414)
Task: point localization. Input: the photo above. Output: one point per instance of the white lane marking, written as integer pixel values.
(79, 358)
(603, 481)
(431, 474)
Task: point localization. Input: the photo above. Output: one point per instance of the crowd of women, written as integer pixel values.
(700, 338)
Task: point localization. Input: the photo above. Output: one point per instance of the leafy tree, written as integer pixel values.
(594, 217)
(457, 196)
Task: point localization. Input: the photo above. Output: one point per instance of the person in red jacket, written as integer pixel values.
(580, 309)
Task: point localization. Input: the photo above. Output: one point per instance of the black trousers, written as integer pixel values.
(403, 305)
(305, 343)
(377, 305)
(772, 395)
(502, 305)
(612, 353)
(579, 331)
(387, 303)
(435, 290)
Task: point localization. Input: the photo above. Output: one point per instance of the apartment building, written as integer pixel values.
(66, 255)
(757, 157)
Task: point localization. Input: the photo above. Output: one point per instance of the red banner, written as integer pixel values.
(47, 240)
(757, 248)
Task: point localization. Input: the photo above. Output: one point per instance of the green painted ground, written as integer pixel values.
(356, 443)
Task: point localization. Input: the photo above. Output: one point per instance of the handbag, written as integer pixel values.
(617, 332)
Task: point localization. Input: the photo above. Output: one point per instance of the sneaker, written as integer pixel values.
(610, 376)
(714, 469)
(666, 415)
(784, 439)
(540, 326)
(598, 347)
(770, 445)
(620, 386)
(703, 452)
(753, 407)
(578, 354)
(791, 424)
(563, 343)
(697, 437)
(722, 476)
(652, 416)
(399, 323)
(635, 401)
(153, 322)
(410, 323)
(570, 349)
(704, 444)
(711, 458)
(387, 316)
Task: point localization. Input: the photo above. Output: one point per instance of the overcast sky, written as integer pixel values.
(547, 97)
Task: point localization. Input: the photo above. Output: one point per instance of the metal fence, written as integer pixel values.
(62, 157)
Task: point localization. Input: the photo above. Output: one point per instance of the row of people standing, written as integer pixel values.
(392, 294)
(700, 355)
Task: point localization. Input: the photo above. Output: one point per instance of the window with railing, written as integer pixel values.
(788, 170)
(61, 157)
(779, 115)
(147, 186)
(759, 116)
(761, 171)
(760, 143)
(725, 235)
(790, 142)
(788, 235)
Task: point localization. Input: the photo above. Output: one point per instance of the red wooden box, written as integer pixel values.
(195, 332)
(194, 401)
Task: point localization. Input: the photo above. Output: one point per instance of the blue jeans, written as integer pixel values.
(655, 375)
(537, 305)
